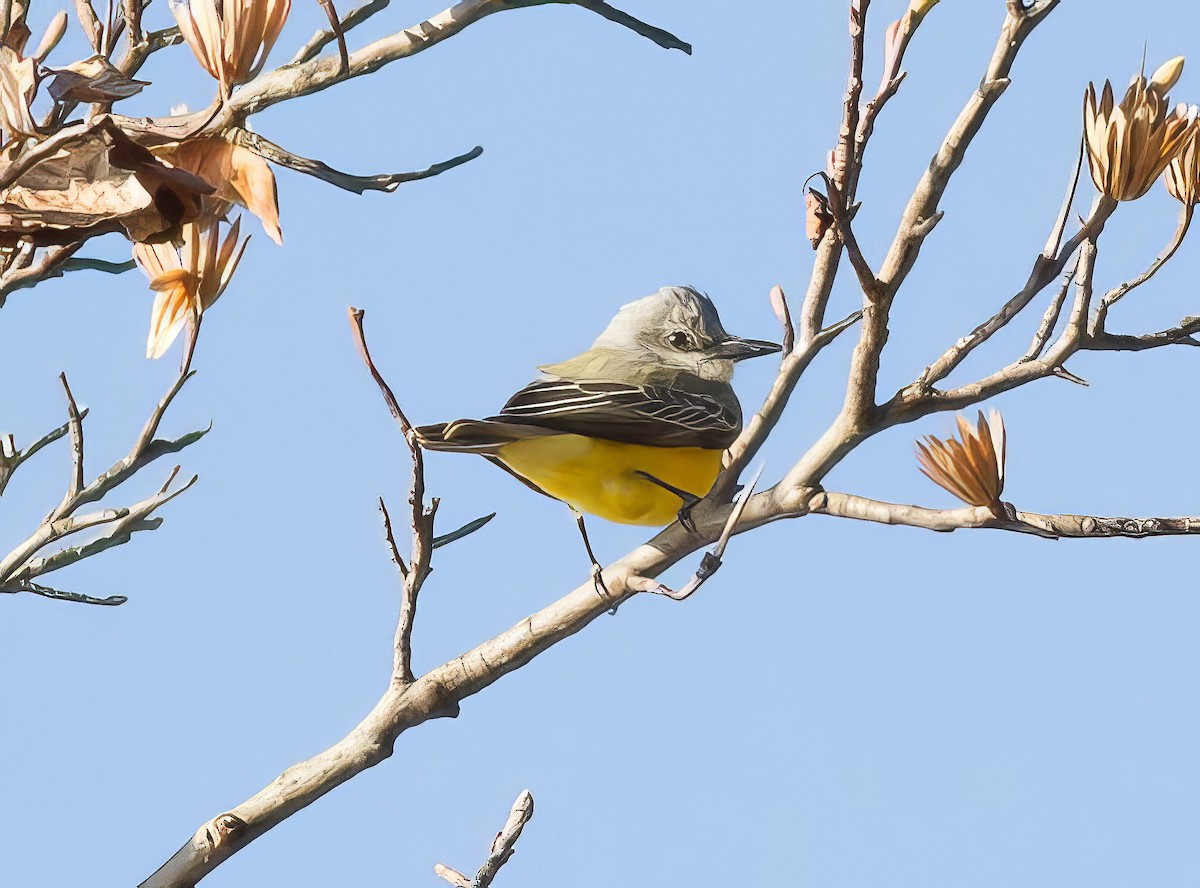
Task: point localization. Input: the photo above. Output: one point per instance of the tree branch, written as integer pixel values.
(844, 505)
(418, 567)
(22, 564)
(321, 39)
(12, 458)
(294, 80)
(503, 847)
(380, 182)
(1115, 295)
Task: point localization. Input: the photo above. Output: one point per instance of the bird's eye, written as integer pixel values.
(679, 339)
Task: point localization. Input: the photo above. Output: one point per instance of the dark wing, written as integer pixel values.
(662, 417)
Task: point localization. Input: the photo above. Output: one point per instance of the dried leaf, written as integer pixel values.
(18, 83)
(971, 468)
(93, 80)
(101, 182)
(18, 36)
(187, 281)
(1130, 144)
(817, 217)
(54, 33)
(892, 42)
(1183, 173)
(230, 38)
(238, 175)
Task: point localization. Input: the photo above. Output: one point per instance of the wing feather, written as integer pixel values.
(654, 415)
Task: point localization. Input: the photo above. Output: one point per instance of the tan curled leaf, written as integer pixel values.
(187, 281)
(98, 183)
(93, 80)
(971, 468)
(18, 83)
(1130, 143)
(230, 38)
(238, 175)
(1183, 173)
(817, 217)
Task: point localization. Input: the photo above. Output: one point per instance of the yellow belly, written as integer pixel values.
(600, 477)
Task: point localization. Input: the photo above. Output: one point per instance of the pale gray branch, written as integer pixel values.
(380, 182)
(23, 563)
(294, 80)
(503, 847)
(1115, 295)
(12, 457)
(321, 39)
(843, 505)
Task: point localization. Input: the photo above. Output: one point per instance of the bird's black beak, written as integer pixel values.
(737, 349)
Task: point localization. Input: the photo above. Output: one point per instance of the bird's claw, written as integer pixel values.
(684, 516)
(602, 589)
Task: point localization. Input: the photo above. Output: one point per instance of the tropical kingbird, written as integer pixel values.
(631, 430)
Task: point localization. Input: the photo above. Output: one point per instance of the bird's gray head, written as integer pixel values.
(679, 327)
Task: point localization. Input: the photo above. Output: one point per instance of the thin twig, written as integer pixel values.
(75, 423)
(358, 184)
(1043, 273)
(1050, 319)
(1115, 295)
(321, 39)
(503, 847)
(422, 518)
(12, 458)
(843, 505)
(335, 25)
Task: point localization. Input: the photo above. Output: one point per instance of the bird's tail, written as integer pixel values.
(484, 436)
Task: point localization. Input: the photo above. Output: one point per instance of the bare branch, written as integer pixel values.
(50, 264)
(921, 214)
(711, 562)
(844, 152)
(294, 80)
(1181, 335)
(422, 518)
(1050, 319)
(1115, 295)
(90, 22)
(784, 314)
(755, 432)
(22, 564)
(60, 594)
(358, 184)
(843, 505)
(1043, 273)
(503, 847)
(11, 458)
(335, 25)
(136, 518)
(321, 39)
(75, 424)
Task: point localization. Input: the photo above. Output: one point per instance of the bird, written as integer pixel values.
(631, 430)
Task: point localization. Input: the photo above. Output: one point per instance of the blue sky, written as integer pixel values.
(844, 704)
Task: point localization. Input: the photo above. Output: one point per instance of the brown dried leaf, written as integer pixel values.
(817, 217)
(93, 80)
(238, 175)
(18, 83)
(101, 182)
(18, 36)
(231, 38)
(972, 469)
(187, 281)
(1131, 143)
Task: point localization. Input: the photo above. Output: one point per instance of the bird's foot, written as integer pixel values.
(684, 516)
(602, 589)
